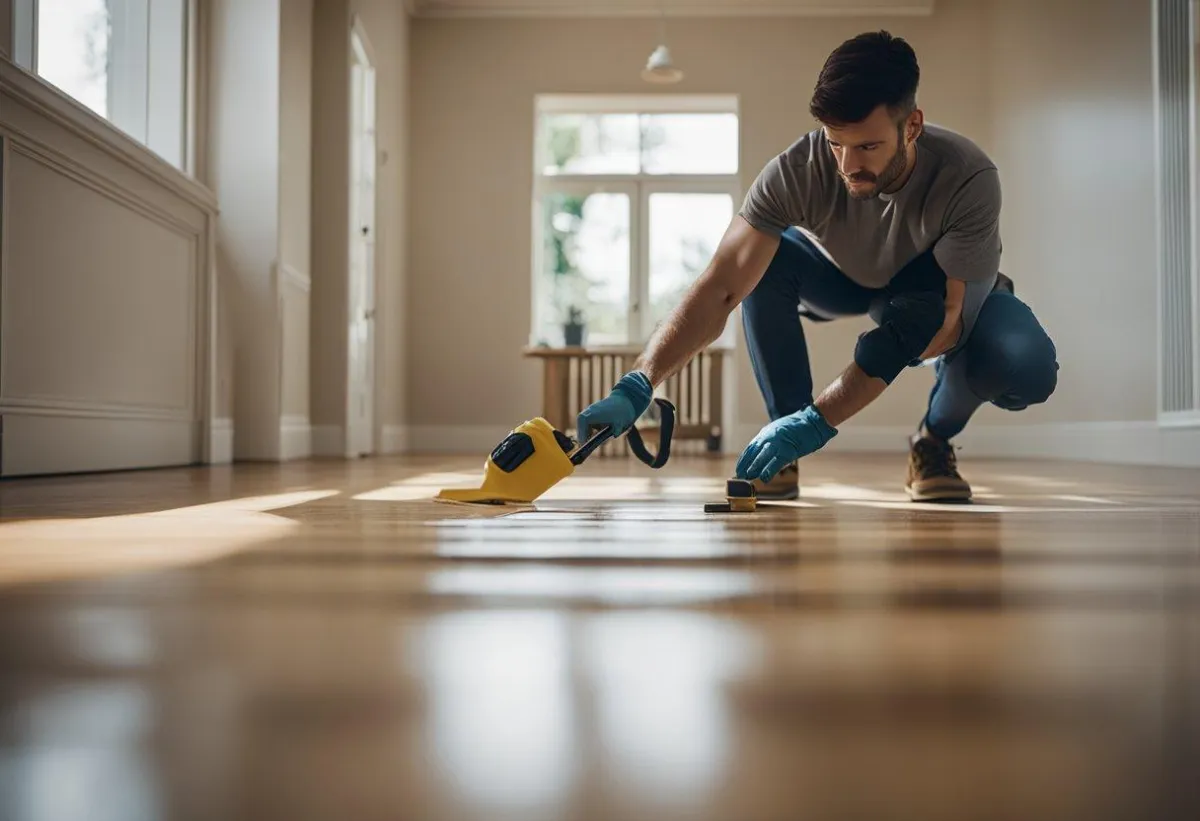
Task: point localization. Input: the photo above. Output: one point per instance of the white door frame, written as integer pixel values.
(359, 442)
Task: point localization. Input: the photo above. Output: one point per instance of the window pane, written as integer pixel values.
(585, 267)
(689, 143)
(72, 49)
(590, 144)
(685, 230)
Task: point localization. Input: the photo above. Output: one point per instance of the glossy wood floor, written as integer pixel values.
(320, 641)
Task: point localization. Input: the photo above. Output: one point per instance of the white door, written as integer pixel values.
(360, 423)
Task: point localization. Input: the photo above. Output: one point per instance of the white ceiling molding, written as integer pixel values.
(669, 8)
(633, 103)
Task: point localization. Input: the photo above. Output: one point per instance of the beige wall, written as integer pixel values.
(295, 131)
(386, 26)
(472, 170)
(393, 251)
(243, 147)
(1068, 120)
(330, 210)
(1074, 138)
(295, 176)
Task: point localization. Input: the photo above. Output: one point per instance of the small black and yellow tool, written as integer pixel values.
(740, 497)
(536, 456)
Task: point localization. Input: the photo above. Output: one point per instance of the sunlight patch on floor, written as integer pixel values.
(45, 549)
(624, 586)
(833, 492)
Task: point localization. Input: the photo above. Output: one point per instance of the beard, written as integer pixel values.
(896, 166)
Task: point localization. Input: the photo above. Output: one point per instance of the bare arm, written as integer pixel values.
(740, 260)
(952, 328)
(853, 389)
(849, 393)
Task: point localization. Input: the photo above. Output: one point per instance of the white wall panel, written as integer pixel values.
(105, 257)
(99, 306)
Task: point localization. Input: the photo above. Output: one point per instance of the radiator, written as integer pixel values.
(573, 378)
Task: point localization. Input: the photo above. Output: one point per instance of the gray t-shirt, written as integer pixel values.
(951, 202)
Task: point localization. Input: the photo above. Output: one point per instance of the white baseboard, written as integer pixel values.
(295, 438)
(221, 434)
(58, 443)
(328, 440)
(454, 439)
(394, 439)
(1132, 443)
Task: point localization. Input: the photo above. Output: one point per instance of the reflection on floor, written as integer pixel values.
(320, 640)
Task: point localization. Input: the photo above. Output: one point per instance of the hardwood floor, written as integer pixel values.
(319, 640)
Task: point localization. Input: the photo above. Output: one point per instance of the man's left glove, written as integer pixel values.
(784, 441)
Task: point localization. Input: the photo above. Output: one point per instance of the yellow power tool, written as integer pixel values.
(536, 456)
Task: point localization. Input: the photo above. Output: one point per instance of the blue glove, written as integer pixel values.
(628, 401)
(782, 442)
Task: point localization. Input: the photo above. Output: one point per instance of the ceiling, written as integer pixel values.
(670, 8)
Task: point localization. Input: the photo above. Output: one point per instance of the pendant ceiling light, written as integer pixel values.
(659, 68)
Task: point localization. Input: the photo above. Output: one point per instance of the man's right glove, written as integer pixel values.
(782, 442)
(630, 398)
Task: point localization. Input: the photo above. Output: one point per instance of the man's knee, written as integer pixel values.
(1019, 371)
(907, 324)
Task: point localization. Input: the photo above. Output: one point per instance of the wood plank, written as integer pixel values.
(318, 640)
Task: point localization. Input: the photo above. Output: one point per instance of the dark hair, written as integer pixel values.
(863, 73)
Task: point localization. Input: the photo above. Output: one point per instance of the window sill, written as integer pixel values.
(608, 350)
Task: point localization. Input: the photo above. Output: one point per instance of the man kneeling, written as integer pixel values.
(875, 213)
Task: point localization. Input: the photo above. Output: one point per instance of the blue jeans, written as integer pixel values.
(1007, 360)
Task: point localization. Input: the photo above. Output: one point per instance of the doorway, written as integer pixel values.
(360, 394)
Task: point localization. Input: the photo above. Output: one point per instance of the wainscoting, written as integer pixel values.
(105, 294)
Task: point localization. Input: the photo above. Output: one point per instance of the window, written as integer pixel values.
(126, 60)
(632, 196)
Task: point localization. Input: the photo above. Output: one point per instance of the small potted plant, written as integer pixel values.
(573, 328)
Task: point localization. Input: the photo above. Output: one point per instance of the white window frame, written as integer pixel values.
(24, 30)
(158, 89)
(638, 187)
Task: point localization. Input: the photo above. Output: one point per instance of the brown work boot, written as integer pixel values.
(933, 472)
(783, 485)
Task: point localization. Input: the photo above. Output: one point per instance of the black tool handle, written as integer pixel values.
(636, 444)
(585, 450)
(665, 431)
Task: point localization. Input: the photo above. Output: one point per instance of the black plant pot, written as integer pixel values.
(573, 335)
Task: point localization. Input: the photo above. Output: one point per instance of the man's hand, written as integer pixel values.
(740, 260)
(782, 442)
(952, 327)
(628, 401)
